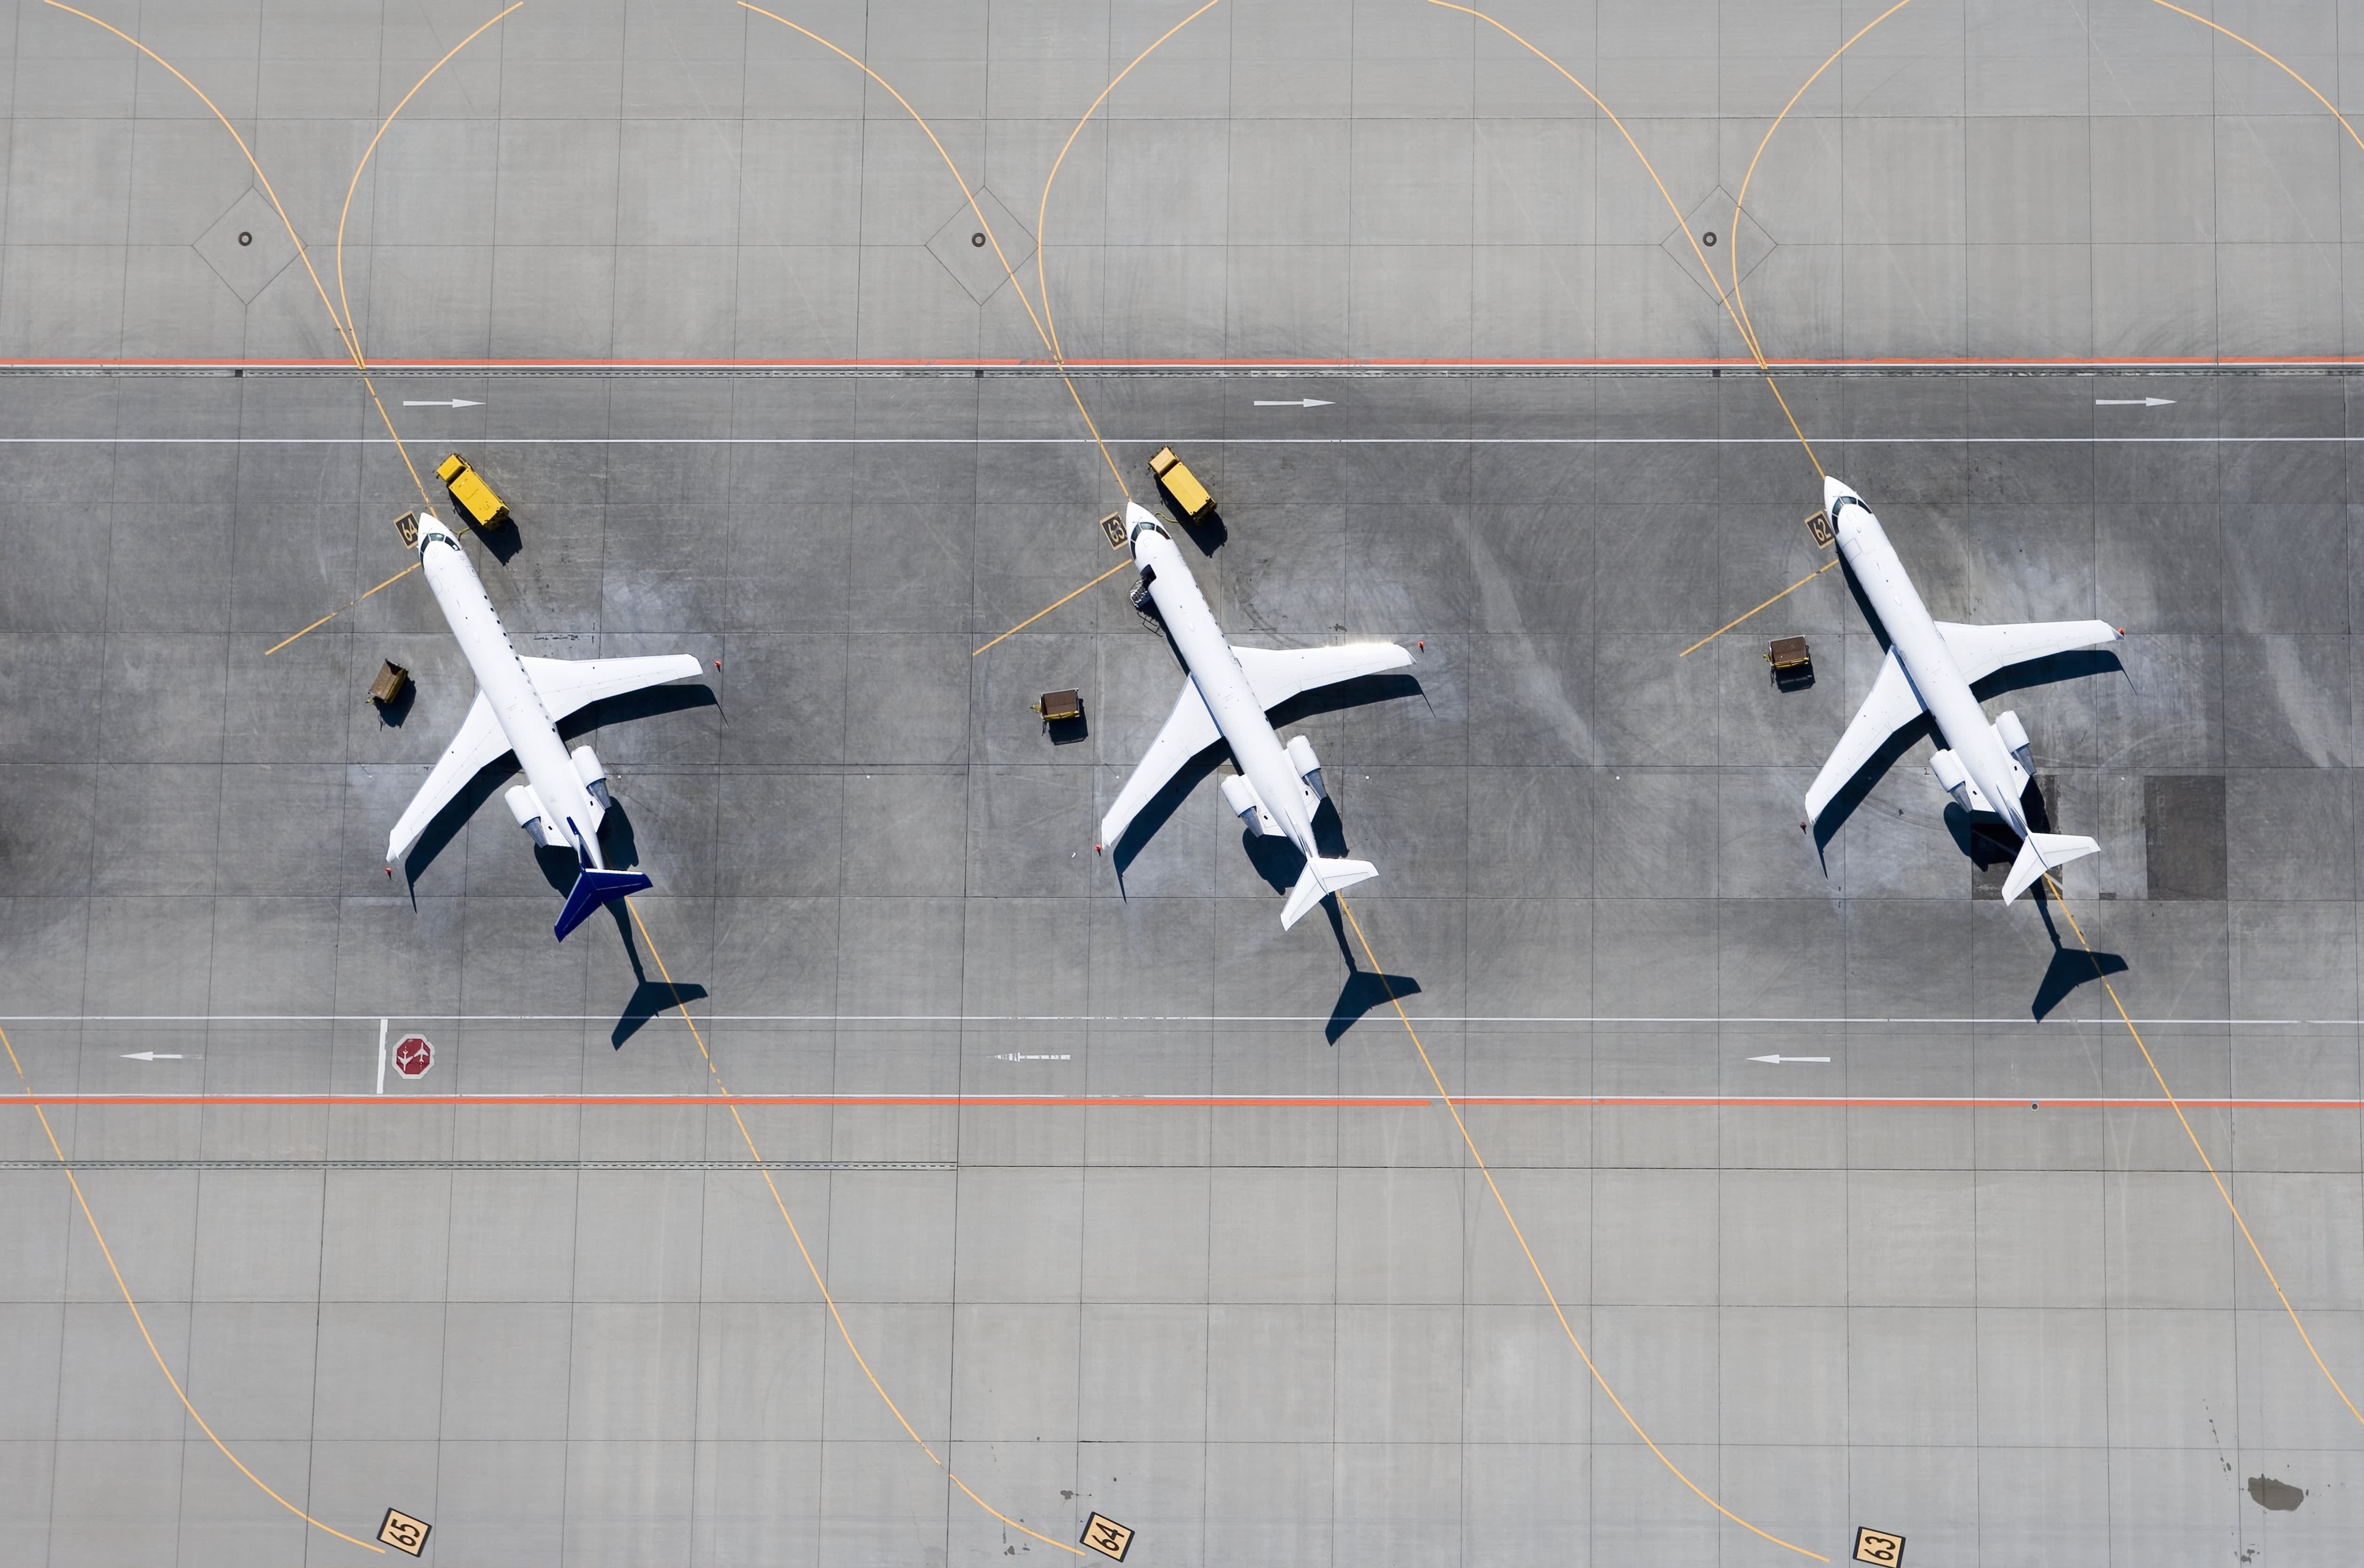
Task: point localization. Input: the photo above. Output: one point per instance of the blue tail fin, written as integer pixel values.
(593, 888)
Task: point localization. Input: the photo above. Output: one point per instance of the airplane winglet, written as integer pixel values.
(592, 889)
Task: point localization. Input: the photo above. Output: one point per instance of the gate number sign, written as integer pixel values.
(1878, 1546)
(404, 1533)
(1106, 1536)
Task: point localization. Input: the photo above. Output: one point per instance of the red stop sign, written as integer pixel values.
(413, 1057)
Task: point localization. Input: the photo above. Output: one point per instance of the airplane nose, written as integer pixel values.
(1135, 514)
(1833, 490)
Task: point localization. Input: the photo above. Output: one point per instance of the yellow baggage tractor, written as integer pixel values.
(1181, 485)
(470, 493)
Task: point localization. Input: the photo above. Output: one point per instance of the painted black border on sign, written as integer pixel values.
(425, 1530)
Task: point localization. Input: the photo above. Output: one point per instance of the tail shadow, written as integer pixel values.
(649, 997)
(1364, 992)
(2070, 968)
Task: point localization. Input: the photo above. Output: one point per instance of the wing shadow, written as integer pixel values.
(447, 823)
(2042, 672)
(646, 703)
(1305, 704)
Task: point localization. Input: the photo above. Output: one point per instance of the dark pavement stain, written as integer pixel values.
(2279, 1496)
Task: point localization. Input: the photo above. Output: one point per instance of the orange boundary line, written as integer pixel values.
(1267, 1102)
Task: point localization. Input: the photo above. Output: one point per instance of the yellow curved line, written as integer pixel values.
(2210, 1165)
(987, 228)
(263, 179)
(2245, 44)
(371, 151)
(1445, 1098)
(108, 1253)
(1651, 170)
(844, 1333)
(2160, 1077)
(1043, 211)
(1748, 327)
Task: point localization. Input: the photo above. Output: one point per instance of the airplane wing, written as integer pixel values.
(1190, 729)
(1278, 675)
(567, 685)
(1893, 705)
(479, 743)
(1980, 651)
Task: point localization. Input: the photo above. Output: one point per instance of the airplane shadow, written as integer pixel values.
(2069, 967)
(1364, 992)
(446, 824)
(646, 703)
(649, 997)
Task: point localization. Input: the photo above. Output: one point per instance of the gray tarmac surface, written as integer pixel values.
(564, 1324)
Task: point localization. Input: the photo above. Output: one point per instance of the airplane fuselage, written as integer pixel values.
(1995, 775)
(502, 678)
(1231, 700)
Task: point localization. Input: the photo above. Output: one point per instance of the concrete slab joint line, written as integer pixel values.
(977, 267)
(247, 247)
(1707, 227)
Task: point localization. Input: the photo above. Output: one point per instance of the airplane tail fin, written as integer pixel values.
(1319, 879)
(2041, 852)
(593, 888)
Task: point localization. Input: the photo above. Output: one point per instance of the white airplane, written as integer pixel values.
(1226, 691)
(519, 705)
(1929, 668)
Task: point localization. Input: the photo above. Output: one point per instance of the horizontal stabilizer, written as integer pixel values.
(1319, 879)
(2041, 852)
(593, 888)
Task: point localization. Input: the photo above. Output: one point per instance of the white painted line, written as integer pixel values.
(2132, 402)
(152, 1056)
(1776, 1060)
(441, 403)
(381, 1056)
(1293, 403)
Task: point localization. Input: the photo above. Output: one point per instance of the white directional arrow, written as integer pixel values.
(1776, 1060)
(441, 403)
(152, 1056)
(2132, 402)
(1293, 402)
